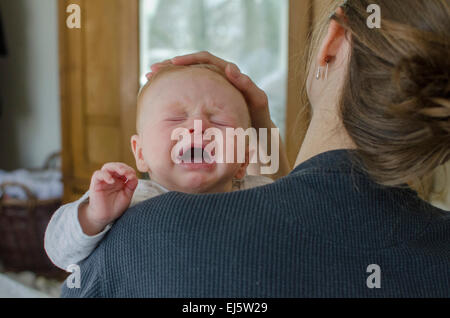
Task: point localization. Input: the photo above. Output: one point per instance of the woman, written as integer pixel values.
(347, 221)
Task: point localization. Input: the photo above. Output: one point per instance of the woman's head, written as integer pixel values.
(392, 86)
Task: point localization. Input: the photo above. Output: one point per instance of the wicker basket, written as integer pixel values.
(22, 230)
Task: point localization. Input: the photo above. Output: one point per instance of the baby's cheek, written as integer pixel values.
(168, 152)
(234, 151)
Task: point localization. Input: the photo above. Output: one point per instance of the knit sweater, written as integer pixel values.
(65, 242)
(318, 232)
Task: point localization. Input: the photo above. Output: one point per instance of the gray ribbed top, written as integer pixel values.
(311, 234)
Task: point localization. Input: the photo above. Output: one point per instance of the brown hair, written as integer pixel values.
(173, 68)
(395, 102)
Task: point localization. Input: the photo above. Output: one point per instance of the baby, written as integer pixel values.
(177, 97)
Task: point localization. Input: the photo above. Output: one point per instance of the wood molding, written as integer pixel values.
(99, 76)
(297, 121)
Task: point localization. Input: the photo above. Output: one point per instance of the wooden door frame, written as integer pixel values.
(297, 115)
(72, 57)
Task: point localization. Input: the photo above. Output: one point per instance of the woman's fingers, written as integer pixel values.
(200, 58)
(256, 97)
(157, 66)
(190, 59)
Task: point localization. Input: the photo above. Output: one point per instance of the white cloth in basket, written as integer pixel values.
(45, 184)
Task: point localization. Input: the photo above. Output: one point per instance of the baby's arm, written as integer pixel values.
(65, 242)
(76, 228)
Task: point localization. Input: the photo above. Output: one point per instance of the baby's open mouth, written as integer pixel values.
(196, 155)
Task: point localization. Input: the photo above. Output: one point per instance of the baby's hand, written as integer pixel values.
(110, 195)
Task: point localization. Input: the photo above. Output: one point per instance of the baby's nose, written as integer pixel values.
(196, 125)
(192, 131)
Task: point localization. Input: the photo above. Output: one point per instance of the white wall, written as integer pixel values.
(29, 84)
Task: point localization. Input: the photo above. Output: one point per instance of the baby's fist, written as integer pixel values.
(110, 195)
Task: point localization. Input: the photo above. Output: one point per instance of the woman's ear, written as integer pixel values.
(334, 42)
(137, 151)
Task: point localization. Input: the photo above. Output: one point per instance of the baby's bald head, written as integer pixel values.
(143, 102)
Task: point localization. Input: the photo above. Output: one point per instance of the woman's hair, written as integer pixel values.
(395, 103)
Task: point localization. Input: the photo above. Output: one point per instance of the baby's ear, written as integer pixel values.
(136, 146)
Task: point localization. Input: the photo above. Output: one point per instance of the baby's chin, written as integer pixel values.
(200, 182)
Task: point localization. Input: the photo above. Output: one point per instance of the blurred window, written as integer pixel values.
(251, 33)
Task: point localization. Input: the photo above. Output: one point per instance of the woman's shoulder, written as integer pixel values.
(250, 182)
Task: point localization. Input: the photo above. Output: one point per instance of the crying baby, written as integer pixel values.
(193, 99)
(176, 99)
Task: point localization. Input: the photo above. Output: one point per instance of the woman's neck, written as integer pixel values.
(325, 133)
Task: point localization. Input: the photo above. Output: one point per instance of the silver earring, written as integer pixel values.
(319, 71)
(320, 75)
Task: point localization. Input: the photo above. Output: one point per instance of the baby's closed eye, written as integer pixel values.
(175, 119)
(223, 121)
(220, 123)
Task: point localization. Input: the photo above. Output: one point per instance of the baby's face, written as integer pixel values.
(177, 100)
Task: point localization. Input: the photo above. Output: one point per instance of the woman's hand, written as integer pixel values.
(110, 195)
(256, 98)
